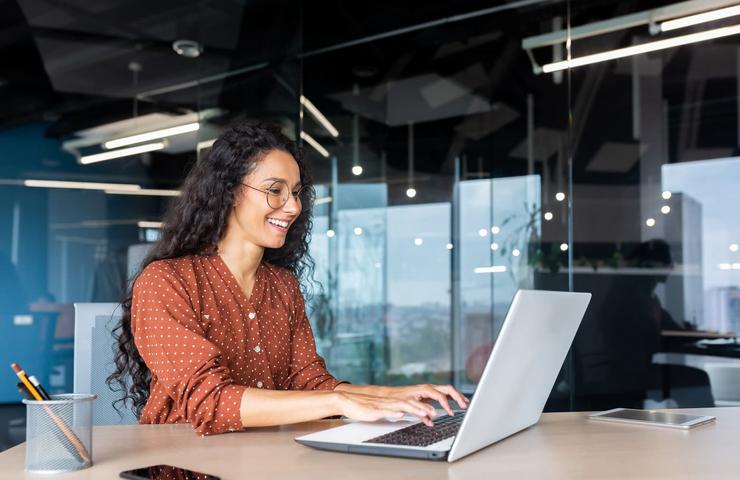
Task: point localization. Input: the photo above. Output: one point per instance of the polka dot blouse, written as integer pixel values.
(205, 341)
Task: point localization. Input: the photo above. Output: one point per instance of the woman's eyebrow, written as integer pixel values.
(278, 179)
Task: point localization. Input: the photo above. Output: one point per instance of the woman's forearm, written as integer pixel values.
(376, 390)
(264, 408)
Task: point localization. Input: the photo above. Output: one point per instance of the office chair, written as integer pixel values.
(93, 360)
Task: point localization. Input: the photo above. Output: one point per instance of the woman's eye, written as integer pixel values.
(273, 191)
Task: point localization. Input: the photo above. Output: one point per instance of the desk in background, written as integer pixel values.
(562, 445)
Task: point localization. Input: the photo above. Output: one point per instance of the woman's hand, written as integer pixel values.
(427, 393)
(369, 408)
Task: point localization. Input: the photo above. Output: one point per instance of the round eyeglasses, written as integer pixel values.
(277, 193)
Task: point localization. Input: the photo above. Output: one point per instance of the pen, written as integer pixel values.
(38, 386)
(68, 433)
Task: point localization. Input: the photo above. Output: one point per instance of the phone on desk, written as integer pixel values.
(655, 418)
(165, 472)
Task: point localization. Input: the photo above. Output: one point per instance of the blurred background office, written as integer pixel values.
(458, 156)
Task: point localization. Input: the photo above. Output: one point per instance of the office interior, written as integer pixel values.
(460, 152)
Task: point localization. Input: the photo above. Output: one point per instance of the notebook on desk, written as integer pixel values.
(519, 375)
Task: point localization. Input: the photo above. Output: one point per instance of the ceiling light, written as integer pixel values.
(316, 145)
(145, 192)
(80, 185)
(563, 247)
(491, 269)
(643, 48)
(666, 195)
(482, 232)
(560, 196)
(187, 48)
(330, 233)
(665, 209)
(123, 152)
(494, 246)
(145, 224)
(418, 241)
(319, 116)
(734, 247)
(448, 246)
(548, 216)
(725, 266)
(495, 229)
(153, 135)
(358, 231)
(322, 200)
(357, 170)
(700, 18)
(411, 192)
(650, 222)
(516, 252)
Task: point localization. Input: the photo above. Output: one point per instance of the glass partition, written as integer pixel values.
(460, 152)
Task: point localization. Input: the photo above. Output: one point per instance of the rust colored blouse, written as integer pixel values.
(205, 342)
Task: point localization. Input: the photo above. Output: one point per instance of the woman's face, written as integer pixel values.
(256, 220)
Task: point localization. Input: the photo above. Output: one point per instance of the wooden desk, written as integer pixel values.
(562, 445)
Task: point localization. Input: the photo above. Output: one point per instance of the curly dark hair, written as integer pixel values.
(195, 224)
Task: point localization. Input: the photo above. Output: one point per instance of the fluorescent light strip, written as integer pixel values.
(80, 185)
(146, 191)
(644, 48)
(145, 224)
(319, 148)
(729, 266)
(319, 116)
(710, 16)
(322, 200)
(491, 269)
(153, 135)
(123, 152)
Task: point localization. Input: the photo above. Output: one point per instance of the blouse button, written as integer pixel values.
(259, 384)
(257, 349)
(252, 315)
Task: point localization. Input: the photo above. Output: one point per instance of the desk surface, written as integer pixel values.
(562, 445)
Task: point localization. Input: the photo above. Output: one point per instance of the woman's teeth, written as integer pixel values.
(278, 223)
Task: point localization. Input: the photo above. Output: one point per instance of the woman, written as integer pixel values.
(215, 331)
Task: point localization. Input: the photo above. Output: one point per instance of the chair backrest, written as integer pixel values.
(93, 360)
(724, 379)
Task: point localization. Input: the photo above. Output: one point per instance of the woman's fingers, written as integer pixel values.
(457, 396)
(415, 407)
(441, 398)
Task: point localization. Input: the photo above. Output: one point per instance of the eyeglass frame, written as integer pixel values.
(296, 196)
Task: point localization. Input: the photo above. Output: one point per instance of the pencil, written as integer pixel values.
(78, 445)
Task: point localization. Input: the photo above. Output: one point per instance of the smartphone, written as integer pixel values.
(162, 472)
(652, 417)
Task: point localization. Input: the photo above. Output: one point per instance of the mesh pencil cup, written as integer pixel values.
(59, 433)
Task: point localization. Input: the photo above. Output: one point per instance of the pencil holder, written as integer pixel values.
(59, 433)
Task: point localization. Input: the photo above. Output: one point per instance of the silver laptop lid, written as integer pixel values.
(523, 366)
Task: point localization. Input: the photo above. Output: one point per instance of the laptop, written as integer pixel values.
(519, 375)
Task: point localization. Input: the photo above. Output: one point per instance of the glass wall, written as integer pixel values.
(456, 159)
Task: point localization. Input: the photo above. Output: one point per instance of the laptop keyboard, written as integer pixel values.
(419, 435)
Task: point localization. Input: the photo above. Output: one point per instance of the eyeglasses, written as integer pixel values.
(277, 193)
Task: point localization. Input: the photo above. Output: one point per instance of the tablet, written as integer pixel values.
(655, 418)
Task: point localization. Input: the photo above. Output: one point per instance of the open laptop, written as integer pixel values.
(517, 379)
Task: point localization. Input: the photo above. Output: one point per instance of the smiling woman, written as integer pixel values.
(215, 331)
